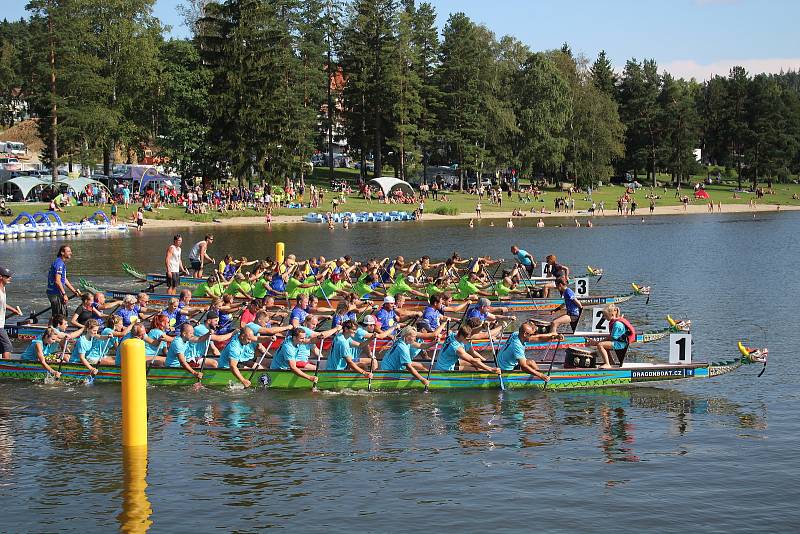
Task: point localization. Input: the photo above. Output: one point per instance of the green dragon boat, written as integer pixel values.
(561, 378)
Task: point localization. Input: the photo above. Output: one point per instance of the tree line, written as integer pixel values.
(261, 85)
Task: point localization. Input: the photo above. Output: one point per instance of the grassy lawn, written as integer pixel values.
(457, 203)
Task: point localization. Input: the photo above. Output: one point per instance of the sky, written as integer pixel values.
(688, 38)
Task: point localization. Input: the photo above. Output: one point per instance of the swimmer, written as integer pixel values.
(589, 224)
(471, 223)
(510, 224)
(540, 224)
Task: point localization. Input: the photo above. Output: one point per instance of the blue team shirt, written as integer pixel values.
(397, 358)
(118, 356)
(475, 311)
(298, 313)
(569, 302)
(304, 349)
(198, 349)
(286, 353)
(448, 357)
(57, 269)
(100, 346)
(234, 350)
(386, 318)
(522, 257)
(339, 319)
(431, 315)
(178, 346)
(337, 359)
(127, 315)
(152, 349)
(30, 352)
(512, 352)
(83, 345)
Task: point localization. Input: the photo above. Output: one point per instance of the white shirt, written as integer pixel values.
(2, 307)
(174, 261)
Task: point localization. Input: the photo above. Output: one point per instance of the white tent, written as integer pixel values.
(387, 183)
(26, 184)
(79, 184)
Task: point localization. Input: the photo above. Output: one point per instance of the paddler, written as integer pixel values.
(198, 256)
(469, 285)
(175, 314)
(156, 340)
(343, 350)
(367, 333)
(241, 349)
(399, 358)
(180, 350)
(212, 287)
(621, 335)
(206, 347)
(509, 285)
(128, 311)
(142, 301)
(286, 358)
(571, 304)
(401, 286)
(82, 352)
(457, 350)
(239, 286)
(40, 349)
(525, 259)
(512, 355)
(305, 351)
(483, 311)
(556, 270)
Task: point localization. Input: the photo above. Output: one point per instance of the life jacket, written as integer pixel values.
(629, 329)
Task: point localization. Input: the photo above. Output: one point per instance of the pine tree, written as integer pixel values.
(603, 76)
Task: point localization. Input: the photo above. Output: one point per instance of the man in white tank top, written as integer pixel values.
(174, 265)
(5, 343)
(198, 256)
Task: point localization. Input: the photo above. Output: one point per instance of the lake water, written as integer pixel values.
(713, 455)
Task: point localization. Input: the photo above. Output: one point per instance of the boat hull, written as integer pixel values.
(518, 305)
(560, 379)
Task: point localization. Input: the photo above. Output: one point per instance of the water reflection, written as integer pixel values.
(136, 508)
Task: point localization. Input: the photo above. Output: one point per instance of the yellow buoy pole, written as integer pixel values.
(280, 250)
(134, 394)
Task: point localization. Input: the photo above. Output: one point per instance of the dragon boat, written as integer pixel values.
(543, 350)
(513, 305)
(158, 279)
(561, 378)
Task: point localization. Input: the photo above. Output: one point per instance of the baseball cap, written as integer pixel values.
(368, 320)
(212, 315)
(388, 299)
(5, 271)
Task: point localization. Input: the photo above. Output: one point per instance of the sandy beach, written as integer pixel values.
(581, 216)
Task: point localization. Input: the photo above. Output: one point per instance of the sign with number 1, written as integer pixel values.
(680, 348)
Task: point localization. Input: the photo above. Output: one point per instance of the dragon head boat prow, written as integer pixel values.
(754, 355)
(684, 325)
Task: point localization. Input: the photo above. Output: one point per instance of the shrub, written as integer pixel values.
(446, 210)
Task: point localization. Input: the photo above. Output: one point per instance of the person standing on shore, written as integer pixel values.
(198, 256)
(57, 282)
(478, 210)
(5, 343)
(174, 265)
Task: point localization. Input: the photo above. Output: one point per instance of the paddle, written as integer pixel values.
(257, 366)
(372, 361)
(203, 361)
(34, 316)
(550, 367)
(316, 369)
(430, 369)
(494, 353)
(61, 358)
